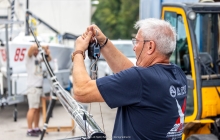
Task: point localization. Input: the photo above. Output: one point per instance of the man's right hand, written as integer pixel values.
(45, 47)
(96, 32)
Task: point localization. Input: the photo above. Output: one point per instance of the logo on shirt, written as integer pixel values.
(38, 68)
(177, 91)
(177, 130)
(172, 91)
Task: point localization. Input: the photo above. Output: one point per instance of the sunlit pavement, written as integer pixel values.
(10, 130)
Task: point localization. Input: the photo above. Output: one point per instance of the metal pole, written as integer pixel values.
(27, 32)
(49, 112)
(12, 16)
(27, 4)
(8, 61)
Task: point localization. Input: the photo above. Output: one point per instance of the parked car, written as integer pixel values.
(126, 47)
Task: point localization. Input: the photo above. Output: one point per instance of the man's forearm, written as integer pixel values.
(80, 75)
(115, 59)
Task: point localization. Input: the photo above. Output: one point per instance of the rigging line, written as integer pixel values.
(69, 134)
(95, 66)
(102, 117)
(89, 108)
(94, 76)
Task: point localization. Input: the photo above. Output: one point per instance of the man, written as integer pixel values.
(35, 82)
(151, 97)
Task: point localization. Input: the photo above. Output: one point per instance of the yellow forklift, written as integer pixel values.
(198, 54)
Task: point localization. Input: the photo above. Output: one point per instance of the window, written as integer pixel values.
(181, 55)
(207, 36)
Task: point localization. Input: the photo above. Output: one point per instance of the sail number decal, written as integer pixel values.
(19, 54)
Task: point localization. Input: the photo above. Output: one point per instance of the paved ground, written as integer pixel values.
(10, 130)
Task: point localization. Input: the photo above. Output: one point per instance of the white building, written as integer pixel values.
(72, 16)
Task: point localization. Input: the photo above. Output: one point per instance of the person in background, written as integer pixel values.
(151, 96)
(33, 61)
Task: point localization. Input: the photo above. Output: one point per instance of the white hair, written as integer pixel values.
(161, 32)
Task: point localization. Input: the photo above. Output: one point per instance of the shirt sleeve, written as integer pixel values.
(26, 58)
(121, 89)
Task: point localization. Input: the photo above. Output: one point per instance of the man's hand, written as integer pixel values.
(47, 52)
(96, 32)
(82, 43)
(45, 47)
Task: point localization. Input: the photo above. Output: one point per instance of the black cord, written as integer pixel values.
(106, 40)
(140, 53)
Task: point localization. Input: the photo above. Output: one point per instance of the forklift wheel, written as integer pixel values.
(202, 137)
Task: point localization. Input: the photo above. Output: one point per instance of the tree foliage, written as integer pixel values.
(116, 18)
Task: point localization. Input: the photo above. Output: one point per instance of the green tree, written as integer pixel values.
(116, 18)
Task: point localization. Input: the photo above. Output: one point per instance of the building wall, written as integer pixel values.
(72, 16)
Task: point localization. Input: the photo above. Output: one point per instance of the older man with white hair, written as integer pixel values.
(151, 96)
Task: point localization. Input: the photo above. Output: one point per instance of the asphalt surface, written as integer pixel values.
(11, 130)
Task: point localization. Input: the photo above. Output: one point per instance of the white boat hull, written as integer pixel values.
(17, 52)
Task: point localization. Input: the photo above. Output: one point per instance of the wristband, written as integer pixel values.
(106, 40)
(78, 51)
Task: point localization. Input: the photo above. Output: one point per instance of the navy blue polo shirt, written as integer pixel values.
(151, 102)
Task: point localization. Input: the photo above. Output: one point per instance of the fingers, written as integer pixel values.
(90, 28)
(83, 36)
(85, 33)
(96, 32)
(47, 51)
(89, 36)
(94, 29)
(45, 47)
